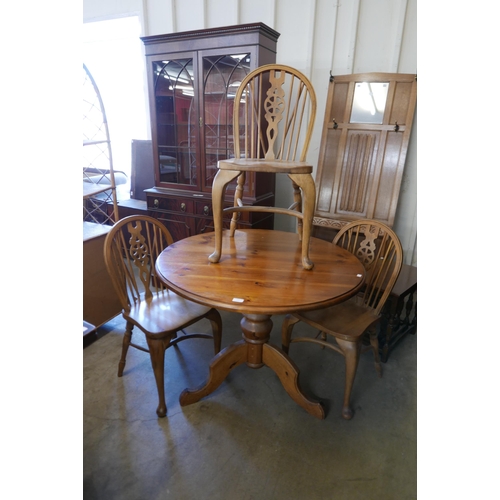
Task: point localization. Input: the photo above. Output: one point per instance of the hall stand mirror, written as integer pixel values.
(367, 126)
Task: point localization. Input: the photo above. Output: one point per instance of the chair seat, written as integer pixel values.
(164, 312)
(263, 165)
(349, 319)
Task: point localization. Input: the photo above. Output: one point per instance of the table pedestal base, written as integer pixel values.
(256, 351)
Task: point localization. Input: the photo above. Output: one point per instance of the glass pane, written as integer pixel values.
(222, 76)
(176, 121)
(368, 105)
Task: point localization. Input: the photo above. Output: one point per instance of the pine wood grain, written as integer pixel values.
(262, 267)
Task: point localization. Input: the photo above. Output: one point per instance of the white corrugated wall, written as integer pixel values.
(317, 37)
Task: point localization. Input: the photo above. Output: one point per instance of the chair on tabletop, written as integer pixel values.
(380, 251)
(273, 118)
(130, 252)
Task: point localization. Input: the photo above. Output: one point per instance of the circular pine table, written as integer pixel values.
(259, 274)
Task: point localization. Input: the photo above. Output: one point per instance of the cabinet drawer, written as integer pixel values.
(179, 226)
(204, 208)
(179, 205)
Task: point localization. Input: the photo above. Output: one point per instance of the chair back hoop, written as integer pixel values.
(130, 252)
(271, 106)
(378, 248)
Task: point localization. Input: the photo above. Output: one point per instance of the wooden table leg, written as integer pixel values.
(255, 350)
(220, 366)
(288, 373)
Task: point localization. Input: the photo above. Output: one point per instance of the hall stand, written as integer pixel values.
(366, 132)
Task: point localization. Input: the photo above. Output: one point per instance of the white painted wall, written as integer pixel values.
(317, 36)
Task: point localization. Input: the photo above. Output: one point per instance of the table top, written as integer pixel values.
(260, 272)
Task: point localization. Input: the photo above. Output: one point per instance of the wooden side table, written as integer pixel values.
(100, 302)
(129, 207)
(399, 316)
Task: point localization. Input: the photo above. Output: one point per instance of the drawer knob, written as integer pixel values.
(206, 210)
(183, 207)
(156, 203)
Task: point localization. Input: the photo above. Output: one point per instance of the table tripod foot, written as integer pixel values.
(219, 369)
(288, 373)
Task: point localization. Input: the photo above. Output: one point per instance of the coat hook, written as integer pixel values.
(396, 127)
(335, 124)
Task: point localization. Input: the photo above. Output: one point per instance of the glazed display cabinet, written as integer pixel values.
(193, 77)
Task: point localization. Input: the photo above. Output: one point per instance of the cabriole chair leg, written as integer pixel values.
(374, 344)
(127, 337)
(286, 331)
(216, 322)
(157, 349)
(351, 352)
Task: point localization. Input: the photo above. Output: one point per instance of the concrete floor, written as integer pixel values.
(248, 439)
